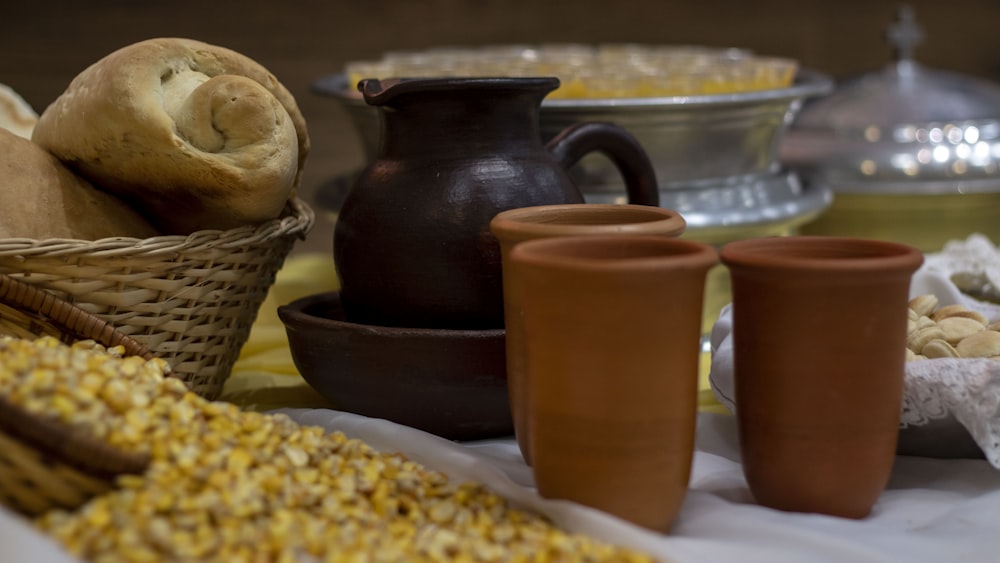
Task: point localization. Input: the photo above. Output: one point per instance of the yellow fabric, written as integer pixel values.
(264, 377)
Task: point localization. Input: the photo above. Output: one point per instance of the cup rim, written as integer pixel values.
(664, 252)
(543, 220)
(820, 252)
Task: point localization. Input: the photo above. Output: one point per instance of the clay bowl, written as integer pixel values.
(452, 383)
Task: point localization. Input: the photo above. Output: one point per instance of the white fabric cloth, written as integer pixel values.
(975, 261)
(24, 544)
(941, 397)
(932, 511)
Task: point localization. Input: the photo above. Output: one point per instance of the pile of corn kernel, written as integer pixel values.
(228, 485)
(595, 71)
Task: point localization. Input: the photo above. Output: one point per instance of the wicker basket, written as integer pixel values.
(190, 299)
(45, 464)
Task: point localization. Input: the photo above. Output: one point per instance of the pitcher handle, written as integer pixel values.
(575, 141)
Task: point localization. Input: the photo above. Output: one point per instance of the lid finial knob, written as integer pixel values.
(905, 34)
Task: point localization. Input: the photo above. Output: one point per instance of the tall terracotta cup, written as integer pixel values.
(611, 329)
(543, 221)
(819, 335)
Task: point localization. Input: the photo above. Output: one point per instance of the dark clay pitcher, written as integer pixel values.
(412, 243)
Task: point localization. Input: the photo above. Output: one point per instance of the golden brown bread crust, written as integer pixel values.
(194, 135)
(42, 199)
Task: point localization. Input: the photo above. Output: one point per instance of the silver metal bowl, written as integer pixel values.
(694, 141)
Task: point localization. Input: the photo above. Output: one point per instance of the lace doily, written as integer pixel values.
(962, 391)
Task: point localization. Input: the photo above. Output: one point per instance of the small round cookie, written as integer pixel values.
(985, 344)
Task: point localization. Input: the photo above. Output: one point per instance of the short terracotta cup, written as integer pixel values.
(819, 335)
(526, 223)
(611, 330)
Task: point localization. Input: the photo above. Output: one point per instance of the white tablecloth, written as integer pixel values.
(932, 511)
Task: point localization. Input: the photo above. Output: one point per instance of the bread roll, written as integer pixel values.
(16, 115)
(194, 135)
(42, 199)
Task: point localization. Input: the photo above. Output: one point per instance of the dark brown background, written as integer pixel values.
(44, 44)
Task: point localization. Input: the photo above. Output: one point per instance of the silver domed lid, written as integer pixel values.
(903, 129)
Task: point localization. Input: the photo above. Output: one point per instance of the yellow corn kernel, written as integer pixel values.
(227, 485)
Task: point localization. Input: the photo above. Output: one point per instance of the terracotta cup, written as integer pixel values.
(611, 330)
(543, 221)
(819, 335)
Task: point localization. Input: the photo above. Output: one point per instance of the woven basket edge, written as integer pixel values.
(297, 219)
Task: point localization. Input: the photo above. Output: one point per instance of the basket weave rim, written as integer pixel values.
(297, 220)
(46, 434)
(68, 318)
(71, 446)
